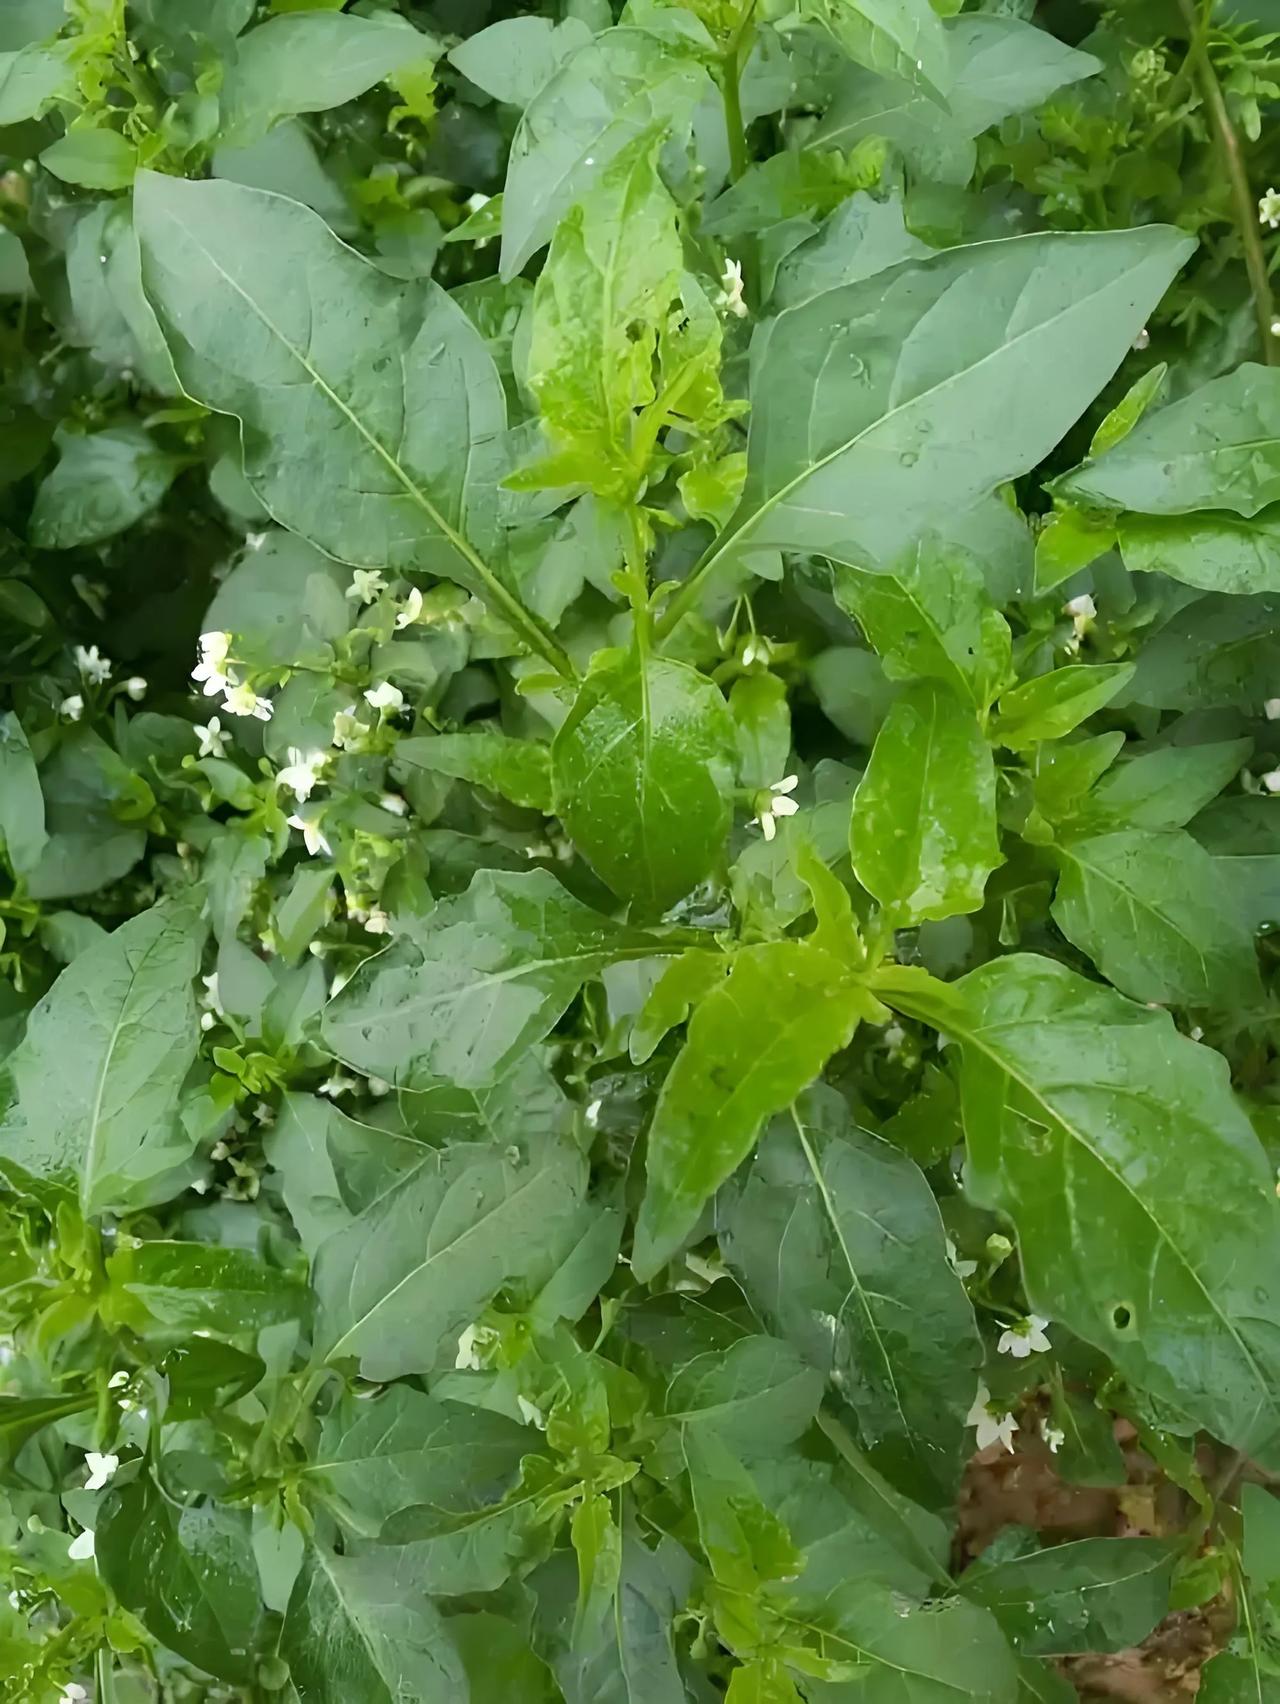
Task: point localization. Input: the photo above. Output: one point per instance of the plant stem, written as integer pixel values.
(731, 94)
(1246, 209)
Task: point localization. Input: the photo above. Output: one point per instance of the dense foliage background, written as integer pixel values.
(641, 684)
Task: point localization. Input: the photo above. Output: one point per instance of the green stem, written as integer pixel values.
(1245, 203)
(730, 92)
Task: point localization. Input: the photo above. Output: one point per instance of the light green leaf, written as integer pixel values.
(270, 318)
(923, 833)
(189, 1286)
(615, 88)
(124, 1011)
(1218, 448)
(1100, 1132)
(642, 773)
(762, 716)
(888, 406)
(1052, 705)
(839, 1244)
(31, 79)
(928, 615)
(514, 59)
(427, 1256)
(22, 830)
(598, 1544)
(93, 158)
(481, 979)
(360, 1626)
(902, 38)
(753, 1044)
(1152, 914)
(758, 1395)
(311, 62)
(1162, 788)
(520, 770)
(862, 237)
(1096, 1594)
(1216, 551)
(686, 981)
(284, 601)
(103, 483)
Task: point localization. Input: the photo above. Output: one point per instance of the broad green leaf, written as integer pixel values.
(31, 79)
(753, 1045)
(427, 1256)
(923, 833)
(1218, 448)
(762, 717)
(1218, 651)
(284, 601)
(406, 1452)
(1071, 540)
(1096, 1594)
(928, 615)
(514, 59)
(26, 22)
(1151, 912)
(188, 1286)
(1100, 1132)
(1243, 834)
(1162, 788)
(361, 1627)
(683, 984)
(902, 38)
(1217, 551)
(103, 483)
(642, 773)
(481, 978)
(311, 62)
(1053, 704)
(92, 158)
(519, 770)
(271, 319)
(599, 302)
(188, 1574)
(108, 311)
(21, 1417)
(758, 1395)
(125, 1014)
(838, 1242)
(862, 237)
(888, 406)
(614, 88)
(330, 1166)
(1065, 770)
(22, 830)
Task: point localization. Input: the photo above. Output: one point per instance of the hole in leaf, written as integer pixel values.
(1122, 1316)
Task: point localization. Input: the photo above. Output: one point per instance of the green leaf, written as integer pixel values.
(1216, 652)
(1216, 551)
(1218, 448)
(406, 1453)
(598, 1544)
(238, 280)
(862, 237)
(311, 62)
(429, 1254)
(1097, 1594)
(1099, 1131)
(614, 88)
(124, 1011)
(92, 158)
(753, 1044)
(838, 1242)
(758, 1395)
(642, 772)
(31, 79)
(103, 483)
(758, 705)
(361, 1627)
(515, 58)
(683, 984)
(1052, 705)
(188, 1574)
(902, 38)
(1151, 912)
(22, 828)
(923, 833)
(188, 1286)
(285, 603)
(929, 617)
(858, 411)
(1162, 788)
(21, 1417)
(517, 769)
(481, 979)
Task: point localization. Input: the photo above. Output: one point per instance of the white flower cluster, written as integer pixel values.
(216, 673)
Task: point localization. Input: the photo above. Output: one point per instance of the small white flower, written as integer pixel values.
(244, 701)
(394, 803)
(72, 708)
(213, 742)
(531, 1414)
(1022, 1339)
(301, 772)
(1269, 209)
(136, 687)
(1142, 340)
(961, 1268)
(94, 668)
(378, 1086)
(778, 805)
(72, 1693)
(101, 1468)
(475, 202)
(384, 696)
(1271, 780)
(991, 1428)
(81, 1547)
(472, 1341)
(1083, 612)
(117, 1381)
(730, 297)
(377, 922)
(215, 648)
(592, 1113)
(1271, 709)
(1052, 1436)
(337, 1085)
(349, 732)
(411, 610)
(312, 837)
(264, 1115)
(211, 998)
(366, 585)
(207, 1021)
